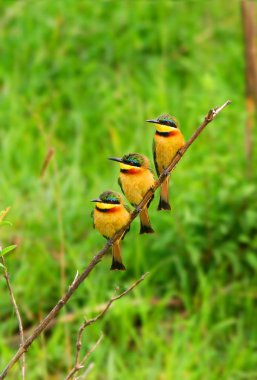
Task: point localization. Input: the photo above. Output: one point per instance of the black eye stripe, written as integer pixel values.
(112, 202)
(131, 163)
(168, 123)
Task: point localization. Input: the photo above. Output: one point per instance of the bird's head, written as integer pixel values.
(132, 162)
(165, 123)
(108, 200)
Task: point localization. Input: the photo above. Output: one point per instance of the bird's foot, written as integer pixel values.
(139, 209)
(166, 172)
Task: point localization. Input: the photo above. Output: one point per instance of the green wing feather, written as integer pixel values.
(120, 184)
(154, 157)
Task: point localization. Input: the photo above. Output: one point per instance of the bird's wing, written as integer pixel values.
(92, 216)
(125, 233)
(148, 204)
(154, 157)
(120, 184)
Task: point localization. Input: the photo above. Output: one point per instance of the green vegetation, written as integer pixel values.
(83, 77)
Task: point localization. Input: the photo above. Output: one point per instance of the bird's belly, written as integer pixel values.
(108, 223)
(166, 148)
(135, 186)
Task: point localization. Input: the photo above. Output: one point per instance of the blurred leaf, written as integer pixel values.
(7, 250)
(5, 223)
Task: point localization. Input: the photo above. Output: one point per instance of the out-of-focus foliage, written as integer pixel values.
(83, 77)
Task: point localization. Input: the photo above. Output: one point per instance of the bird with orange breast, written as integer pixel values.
(110, 216)
(136, 178)
(168, 139)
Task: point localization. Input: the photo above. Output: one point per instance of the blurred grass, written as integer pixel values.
(82, 78)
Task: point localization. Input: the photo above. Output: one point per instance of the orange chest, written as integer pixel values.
(166, 148)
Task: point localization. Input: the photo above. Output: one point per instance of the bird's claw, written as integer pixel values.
(139, 209)
(166, 172)
(180, 153)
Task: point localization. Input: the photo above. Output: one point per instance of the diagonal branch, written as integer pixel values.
(80, 363)
(97, 258)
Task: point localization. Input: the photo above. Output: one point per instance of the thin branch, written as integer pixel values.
(79, 364)
(249, 29)
(14, 303)
(97, 258)
(16, 309)
(46, 162)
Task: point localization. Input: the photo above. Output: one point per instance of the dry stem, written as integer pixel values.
(16, 309)
(79, 364)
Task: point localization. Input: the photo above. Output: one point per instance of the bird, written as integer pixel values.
(136, 178)
(168, 139)
(109, 216)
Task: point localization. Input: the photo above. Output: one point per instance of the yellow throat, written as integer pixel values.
(106, 206)
(128, 167)
(164, 128)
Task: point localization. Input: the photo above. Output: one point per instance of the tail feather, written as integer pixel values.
(117, 263)
(164, 203)
(145, 225)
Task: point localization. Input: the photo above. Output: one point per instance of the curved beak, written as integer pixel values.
(115, 159)
(152, 121)
(97, 200)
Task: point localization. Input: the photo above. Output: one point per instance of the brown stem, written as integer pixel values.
(46, 162)
(249, 29)
(96, 259)
(79, 363)
(16, 309)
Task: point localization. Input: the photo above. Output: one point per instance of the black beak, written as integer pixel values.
(115, 159)
(153, 121)
(97, 200)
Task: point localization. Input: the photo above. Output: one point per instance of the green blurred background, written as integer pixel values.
(82, 77)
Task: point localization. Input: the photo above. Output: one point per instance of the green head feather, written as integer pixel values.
(134, 159)
(168, 120)
(111, 197)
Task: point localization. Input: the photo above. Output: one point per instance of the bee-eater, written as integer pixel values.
(168, 139)
(136, 178)
(109, 216)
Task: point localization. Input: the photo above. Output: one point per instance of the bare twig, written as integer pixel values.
(16, 309)
(249, 28)
(46, 162)
(97, 258)
(79, 364)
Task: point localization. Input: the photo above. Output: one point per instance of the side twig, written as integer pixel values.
(15, 306)
(16, 309)
(96, 259)
(80, 363)
(249, 31)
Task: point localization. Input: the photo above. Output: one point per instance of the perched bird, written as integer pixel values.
(109, 216)
(168, 139)
(136, 178)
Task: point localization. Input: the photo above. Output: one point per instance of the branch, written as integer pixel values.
(46, 162)
(79, 364)
(15, 306)
(96, 259)
(16, 309)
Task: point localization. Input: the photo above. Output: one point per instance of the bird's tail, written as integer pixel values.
(164, 203)
(145, 225)
(117, 263)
